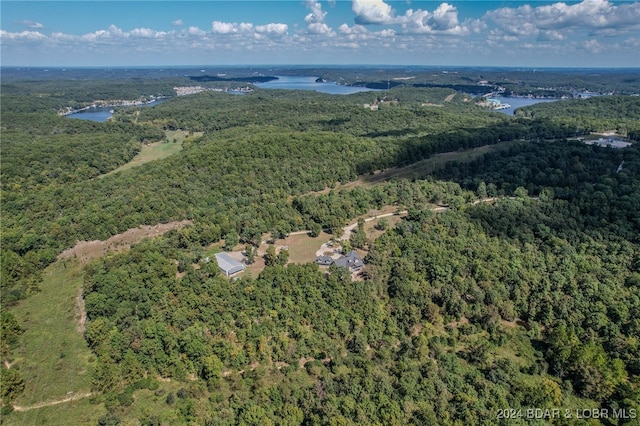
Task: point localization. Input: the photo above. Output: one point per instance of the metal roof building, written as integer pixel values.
(228, 265)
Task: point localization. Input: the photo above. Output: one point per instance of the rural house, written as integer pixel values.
(351, 260)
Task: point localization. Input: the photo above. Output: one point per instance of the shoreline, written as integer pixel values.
(113, 104)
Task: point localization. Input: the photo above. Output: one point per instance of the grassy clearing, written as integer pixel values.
(80, 412)
(519, 351)
(148, 153)
(152, 405)
(420, 169)
(431, 164)
(157, 150)
(373, 233)
(302, 248)
(52, 355)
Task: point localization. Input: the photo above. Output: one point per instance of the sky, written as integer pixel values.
(589, 33)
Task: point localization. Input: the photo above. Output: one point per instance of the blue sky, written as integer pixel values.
(588, 33)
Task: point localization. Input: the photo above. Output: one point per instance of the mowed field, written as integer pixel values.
(52, 355)
(302, 247)
(157, 150)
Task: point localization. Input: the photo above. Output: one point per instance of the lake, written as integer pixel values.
(309, 83)
(518, 102)
(104, 113)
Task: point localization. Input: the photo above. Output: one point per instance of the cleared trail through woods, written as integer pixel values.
(49, 403)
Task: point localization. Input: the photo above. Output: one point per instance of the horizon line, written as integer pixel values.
(312, 66)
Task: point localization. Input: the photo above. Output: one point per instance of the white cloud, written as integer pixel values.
(476, 26)
(245, 26)
(361, 34)
(315, 19)
(114, 33)
(594, 16)
(195, 31)
(145, 33)
(23, 35)
(558, 31)
(320, 28)
(62, 37)
(218, 27)
(550, 35)
(278, 29)
(30, 24)
(633, 42)
(223, 27)
(496, 36)
(443, 20)
(372, 12)
(593, 46)
(356, 29)
(317, 14)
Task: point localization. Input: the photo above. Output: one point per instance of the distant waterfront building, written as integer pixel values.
(228, 265)
(493, 104)
(609, 142)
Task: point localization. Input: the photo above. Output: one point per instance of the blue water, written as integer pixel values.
(518, 102)
(104, 113)
(309, 83)
(93, 114)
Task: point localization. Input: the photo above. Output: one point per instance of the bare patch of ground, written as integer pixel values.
(81, 314)
(86, 251)
(515, 323)
(416, 330)
(450, 97)
(49, 403)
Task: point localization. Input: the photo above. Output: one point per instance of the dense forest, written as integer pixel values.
(523, 293)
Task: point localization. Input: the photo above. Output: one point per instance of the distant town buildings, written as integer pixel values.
(191, 90)
(109, 103)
